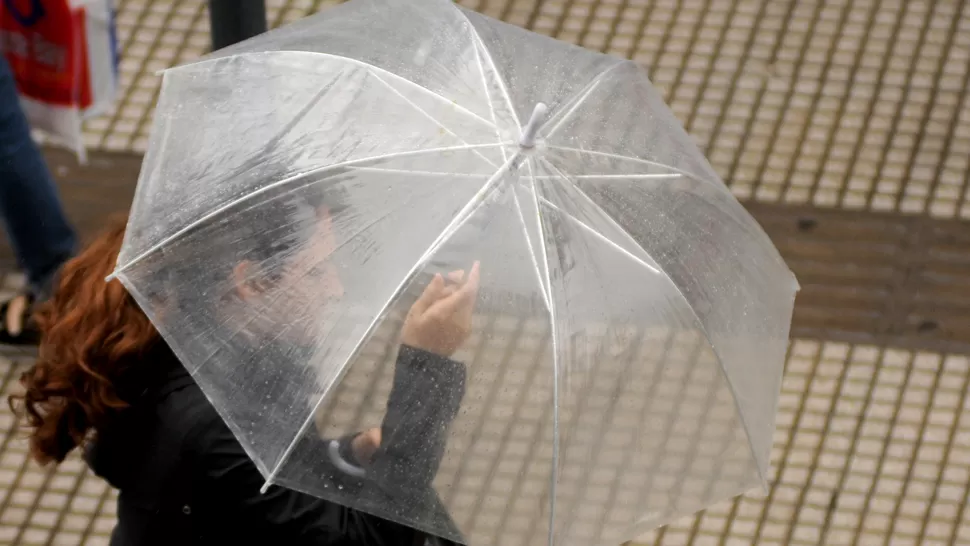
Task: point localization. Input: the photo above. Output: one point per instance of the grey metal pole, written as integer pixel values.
(233, 21)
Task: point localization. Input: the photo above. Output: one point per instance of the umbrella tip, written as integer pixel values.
(531, 129)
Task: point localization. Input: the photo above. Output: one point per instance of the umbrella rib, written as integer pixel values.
(581, 98)
(275, 141)
(625, 158)
(429, 116)
(421, 173)
(616, 177)
(553, 473)
(491, 63)
(488, 96)
(476, 202)
(223, 208)
(700, 324)
(342, 58)
(598, 235)
(272, 143)
(532, 252)
(463, 215)
(593, 230)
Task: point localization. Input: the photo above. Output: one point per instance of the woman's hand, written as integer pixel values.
(366, 444)
(441, 320)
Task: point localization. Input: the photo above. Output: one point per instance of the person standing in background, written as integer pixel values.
(32, 215)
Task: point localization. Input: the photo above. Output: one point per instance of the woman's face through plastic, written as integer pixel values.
(298, 283)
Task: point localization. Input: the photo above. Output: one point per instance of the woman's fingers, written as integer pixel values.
(462, 300)
(470, 291)
(431, 294)
(456, 276)
(474, 278)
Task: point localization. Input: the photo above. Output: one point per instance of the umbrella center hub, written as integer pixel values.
(531, 129)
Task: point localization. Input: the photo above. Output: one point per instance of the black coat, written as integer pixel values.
(184, 479)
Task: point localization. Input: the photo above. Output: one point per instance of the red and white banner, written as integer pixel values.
(63, 54)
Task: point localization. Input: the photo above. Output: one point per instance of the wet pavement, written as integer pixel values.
(845, 128)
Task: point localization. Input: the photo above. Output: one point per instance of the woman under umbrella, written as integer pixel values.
(106, 381)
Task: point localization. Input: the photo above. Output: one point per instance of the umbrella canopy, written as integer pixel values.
(302, 188)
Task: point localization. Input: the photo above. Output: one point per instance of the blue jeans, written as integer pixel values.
(29, 205)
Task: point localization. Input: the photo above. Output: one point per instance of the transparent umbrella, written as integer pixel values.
(302, 189)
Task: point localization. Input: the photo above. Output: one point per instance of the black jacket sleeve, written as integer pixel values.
(424, 399)
(230, 479)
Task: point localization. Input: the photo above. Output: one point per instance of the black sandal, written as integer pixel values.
(29, 335)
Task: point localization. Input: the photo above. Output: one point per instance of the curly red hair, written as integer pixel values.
(93, 337)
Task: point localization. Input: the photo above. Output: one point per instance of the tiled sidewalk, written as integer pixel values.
(855, 104)
(860, 104)
(872, 447)
(63, 506)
